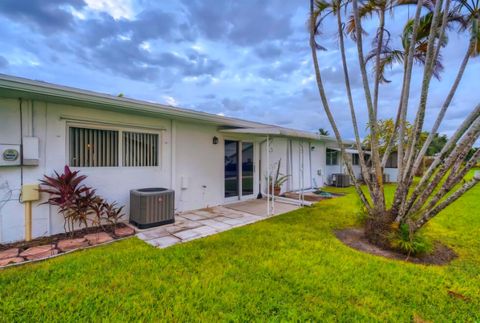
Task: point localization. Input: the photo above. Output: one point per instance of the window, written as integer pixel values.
(332, 157)
(355, 159)
(93, 147)
(103, 148)
(140, 149)
(392, 161)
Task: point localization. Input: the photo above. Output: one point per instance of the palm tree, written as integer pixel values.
(423, 39)
(323, 132)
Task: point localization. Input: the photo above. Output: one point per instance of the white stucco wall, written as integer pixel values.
(49, 122)
(189, 162)
(201, 165)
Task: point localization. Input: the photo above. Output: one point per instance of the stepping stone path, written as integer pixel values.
(197, 224)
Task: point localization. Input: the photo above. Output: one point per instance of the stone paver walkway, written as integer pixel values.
(198, 224)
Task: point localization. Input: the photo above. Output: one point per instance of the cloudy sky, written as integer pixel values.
(240, 58)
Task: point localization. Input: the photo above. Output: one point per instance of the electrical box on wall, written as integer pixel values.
(30, 151)
(30, 192)
(10, 155)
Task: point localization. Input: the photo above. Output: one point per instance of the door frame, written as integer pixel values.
(240, 196)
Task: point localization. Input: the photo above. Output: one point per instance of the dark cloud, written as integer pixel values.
(245, 23)
(269, 50)
(232, 105)
(48, 16)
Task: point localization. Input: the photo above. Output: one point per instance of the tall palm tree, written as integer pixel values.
(423, 39)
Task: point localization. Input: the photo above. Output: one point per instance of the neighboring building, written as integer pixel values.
(336, 165)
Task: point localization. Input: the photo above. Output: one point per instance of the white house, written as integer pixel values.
(123, 144)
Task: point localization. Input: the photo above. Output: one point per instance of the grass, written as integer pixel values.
(290, 267)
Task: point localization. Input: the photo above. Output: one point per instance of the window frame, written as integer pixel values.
(121, 130)
(329, 160)
(355, 159)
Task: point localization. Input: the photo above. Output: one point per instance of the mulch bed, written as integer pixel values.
(355, 238)
(23, 245)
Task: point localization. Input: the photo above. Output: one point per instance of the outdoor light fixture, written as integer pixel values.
(215, 140)
(312, 148)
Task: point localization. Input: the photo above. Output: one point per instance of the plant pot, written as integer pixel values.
(276, 190)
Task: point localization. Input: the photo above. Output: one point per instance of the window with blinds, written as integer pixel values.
(140, 149)
(93, 147)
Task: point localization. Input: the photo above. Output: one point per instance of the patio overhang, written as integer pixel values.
(278, 132)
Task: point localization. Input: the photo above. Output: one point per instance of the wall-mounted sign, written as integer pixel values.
(10, 155)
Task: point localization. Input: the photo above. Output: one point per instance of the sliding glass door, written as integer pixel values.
(239, 169)
(231, 169)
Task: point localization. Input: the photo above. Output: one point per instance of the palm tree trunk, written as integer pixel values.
(452, 198)
(454, 179)
(379, 197)
(363, 166)
(427, 76)
(377, 61)
(447, 149)
(444, 108)
(328, 112)
(458, 154)
(400, 195)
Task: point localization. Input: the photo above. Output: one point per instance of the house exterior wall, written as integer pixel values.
(189, 162)
(49, 122)
(291, 154)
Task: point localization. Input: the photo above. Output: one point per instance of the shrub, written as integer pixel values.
(408, 242)
(76, 201)
(65, 192)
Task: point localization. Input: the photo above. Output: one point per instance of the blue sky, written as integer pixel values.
(241, 58)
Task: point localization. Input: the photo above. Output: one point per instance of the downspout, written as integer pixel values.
(20, 101)
(268, 175)
(259, 195)
(173, 151)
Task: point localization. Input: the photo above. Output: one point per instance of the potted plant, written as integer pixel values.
(278, 180)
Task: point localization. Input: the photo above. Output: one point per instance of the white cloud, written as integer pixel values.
(145, 46)
(115, 8)
(170, 100)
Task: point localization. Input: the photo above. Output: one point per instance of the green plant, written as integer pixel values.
(76, 201)
(409, 242)
(65, 190)
(112, 213)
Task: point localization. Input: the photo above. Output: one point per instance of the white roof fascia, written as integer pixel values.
(73, 95)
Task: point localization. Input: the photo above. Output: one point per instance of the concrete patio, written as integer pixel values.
(201, 223)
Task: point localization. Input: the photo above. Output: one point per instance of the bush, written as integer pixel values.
(405, 241)
(76, 201)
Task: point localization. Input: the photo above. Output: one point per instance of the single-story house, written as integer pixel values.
(123, 144)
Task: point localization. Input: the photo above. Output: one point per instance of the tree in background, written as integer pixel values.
(437, 144)
(423, 39)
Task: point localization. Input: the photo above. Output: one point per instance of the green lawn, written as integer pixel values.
(287, 268)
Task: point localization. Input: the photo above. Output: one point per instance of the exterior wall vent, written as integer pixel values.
(150, 207)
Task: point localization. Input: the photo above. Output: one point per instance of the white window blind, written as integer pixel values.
(93, 147)
(140, 149)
